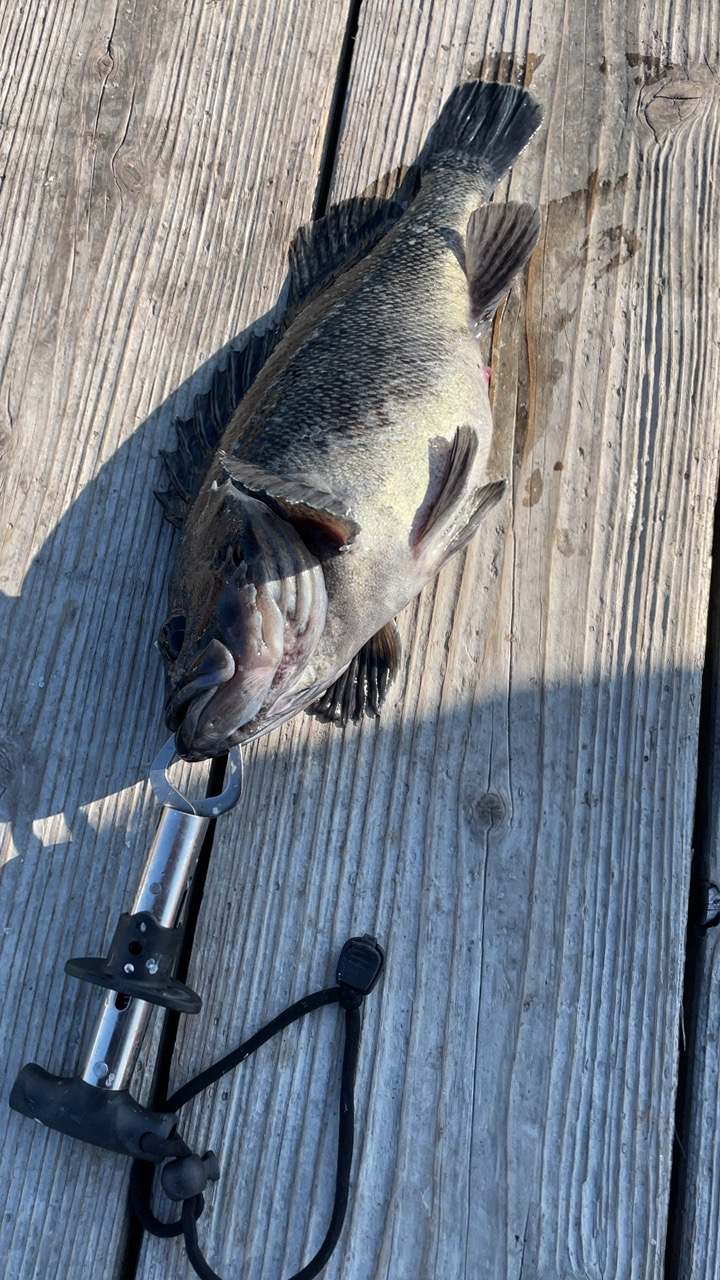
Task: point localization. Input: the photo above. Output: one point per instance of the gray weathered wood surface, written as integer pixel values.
(517, 829)
(147, 208)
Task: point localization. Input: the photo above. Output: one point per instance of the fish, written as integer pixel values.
(355, 464)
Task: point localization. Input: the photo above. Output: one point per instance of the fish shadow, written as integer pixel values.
(84, 719)
(53, 591)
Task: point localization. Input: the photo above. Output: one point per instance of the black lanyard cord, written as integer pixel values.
(212, 1074)
(359, 968)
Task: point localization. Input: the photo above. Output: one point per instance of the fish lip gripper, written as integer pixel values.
(96, 1105)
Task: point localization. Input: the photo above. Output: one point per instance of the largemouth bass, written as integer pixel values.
(355, 465)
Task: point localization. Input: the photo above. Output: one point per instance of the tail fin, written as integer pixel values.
(482, 129)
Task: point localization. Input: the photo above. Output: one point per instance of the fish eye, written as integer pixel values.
(171, 637)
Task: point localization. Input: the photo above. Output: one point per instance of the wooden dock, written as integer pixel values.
(518, 829)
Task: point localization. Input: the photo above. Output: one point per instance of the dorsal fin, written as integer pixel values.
(319, 253)
(325, 249)
(199, 436)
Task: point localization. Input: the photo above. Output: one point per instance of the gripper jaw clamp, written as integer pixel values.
(96, 1106)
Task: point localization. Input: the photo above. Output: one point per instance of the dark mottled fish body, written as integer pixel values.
(356, 463)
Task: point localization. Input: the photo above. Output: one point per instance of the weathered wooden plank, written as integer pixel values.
(517, 830)
(155, 160)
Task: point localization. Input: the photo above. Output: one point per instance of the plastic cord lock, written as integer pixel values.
(360, 964)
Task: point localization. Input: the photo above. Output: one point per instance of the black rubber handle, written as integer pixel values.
(108, 1118)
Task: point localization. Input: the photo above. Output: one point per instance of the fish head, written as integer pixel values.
(247, 607)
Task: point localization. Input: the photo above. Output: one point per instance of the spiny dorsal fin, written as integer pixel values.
(308, 505)
(325, 249)
(362, 687)
(319, 253)
(174, 507)
(498, 243)
(199, 436)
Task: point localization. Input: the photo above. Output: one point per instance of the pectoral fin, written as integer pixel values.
(442, 525)
(434, 516)
(498, 243)
(362, 687)
(310, 508)
(487, 498)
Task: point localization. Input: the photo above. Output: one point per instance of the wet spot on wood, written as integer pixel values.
(564, 318)
(573, 219)
(508, 68)
(534, 488)
(620, 244)
(522, 419)
(564, 542)
(650, 62)
(567, 229)
(533, 62)
(598, 192)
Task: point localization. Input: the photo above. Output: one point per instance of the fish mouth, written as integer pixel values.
(185, 708)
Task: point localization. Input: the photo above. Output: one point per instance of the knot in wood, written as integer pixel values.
(668, 103)
(129, 171)
(488, 811)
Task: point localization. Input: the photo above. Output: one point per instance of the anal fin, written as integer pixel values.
(362, 687)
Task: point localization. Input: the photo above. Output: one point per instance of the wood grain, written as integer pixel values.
(517, 830)
(155, 161)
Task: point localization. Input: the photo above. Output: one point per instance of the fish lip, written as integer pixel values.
(213, 667)
(197, 741)
(206, 731)
(186, 727)
(195, 694)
